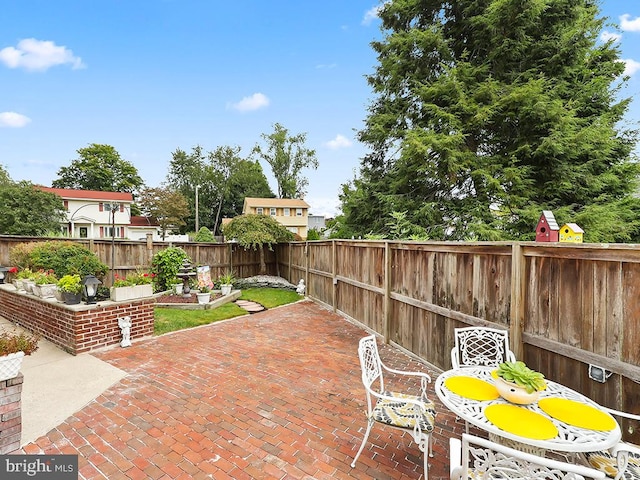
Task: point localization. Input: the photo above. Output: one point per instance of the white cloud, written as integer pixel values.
(606, 36)
(38, 55)
(631, 66)
(13, 119)
(629, 24)
(339, 142)
(254, 102)
(371, 15)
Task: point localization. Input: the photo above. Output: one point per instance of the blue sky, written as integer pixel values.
(151, 76)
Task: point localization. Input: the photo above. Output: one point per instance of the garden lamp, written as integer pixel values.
(3, 273)
(90, 284)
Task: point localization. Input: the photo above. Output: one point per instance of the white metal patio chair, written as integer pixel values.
(480, 347)
(412, 413)
(477, 458)
(623, 460)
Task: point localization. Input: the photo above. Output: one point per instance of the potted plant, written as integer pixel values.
(517, 383)
(70, 287)
(25, 277)
(204, 294)
(226, 282)
(45, 283)
(13, 347)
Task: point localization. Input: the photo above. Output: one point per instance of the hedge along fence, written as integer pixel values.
(565, 305)
(126, 256)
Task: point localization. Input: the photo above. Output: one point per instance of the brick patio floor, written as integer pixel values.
(273, 395)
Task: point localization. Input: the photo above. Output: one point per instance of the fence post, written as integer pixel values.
(149, 249)
(386, 322)
(517, 300)
(334, 280)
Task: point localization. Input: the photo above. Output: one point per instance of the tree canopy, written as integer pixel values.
(255, 232)
(488, 112)
(99, 167)
(27, 210)
(168, 207)
(223, 178)
(287, 156)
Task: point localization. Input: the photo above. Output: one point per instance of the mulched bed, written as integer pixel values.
(181, 299)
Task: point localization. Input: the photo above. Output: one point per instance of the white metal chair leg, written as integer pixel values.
(364, 441)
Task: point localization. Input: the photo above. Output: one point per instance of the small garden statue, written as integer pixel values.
(125, 327)
(300, 288)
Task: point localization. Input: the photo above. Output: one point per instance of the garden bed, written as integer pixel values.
(191, 303)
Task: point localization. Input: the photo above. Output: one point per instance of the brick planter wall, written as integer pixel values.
(10, 414)
(76, 328)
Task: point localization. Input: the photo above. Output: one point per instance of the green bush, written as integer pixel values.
(204, 235)
(165, 265)
(64, 258)
(313, 234)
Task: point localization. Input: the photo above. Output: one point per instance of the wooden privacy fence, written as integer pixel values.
(565, 305)
(126, 256)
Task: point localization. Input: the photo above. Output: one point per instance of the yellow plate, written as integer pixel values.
(472, 388)
(520, 421)
(577, 414)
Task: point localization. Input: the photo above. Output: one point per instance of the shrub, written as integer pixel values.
(204, 235)
(70, 284)
(18, 342)
(165, 266)
(64, 258)
(313, 234)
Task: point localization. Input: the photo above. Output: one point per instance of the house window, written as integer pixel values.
(259, 210)
(293, 229)
(272, 212)
(287, 212)
(66, 205)
(117, 233)
(298, 212)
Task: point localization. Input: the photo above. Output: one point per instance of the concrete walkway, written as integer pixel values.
(273, 395)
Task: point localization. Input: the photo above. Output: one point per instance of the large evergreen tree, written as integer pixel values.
(489, 111)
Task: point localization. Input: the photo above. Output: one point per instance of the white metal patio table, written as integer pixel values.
(586, 428)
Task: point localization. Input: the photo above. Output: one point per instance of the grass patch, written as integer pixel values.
(172, 319)
(270, 297)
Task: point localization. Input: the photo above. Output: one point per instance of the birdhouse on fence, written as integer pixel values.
(547, 228)
(571, 233)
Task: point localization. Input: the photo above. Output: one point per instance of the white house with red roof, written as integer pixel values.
(95, 214)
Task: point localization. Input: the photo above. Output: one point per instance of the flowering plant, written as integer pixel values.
(24, 274)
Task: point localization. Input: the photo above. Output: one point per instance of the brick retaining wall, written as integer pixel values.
(76, 328)
(10, 414)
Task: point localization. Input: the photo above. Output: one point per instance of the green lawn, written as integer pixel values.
(171, 319)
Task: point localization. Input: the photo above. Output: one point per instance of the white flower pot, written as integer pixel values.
(47, 290)
(225, 288)
(204, 297)
(10, 365)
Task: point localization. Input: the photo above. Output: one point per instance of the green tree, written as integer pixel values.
(488, 112)
(168, 207)
(287, 156)
(255, 232)
(223, 178)
(5, 179)
(27, 210)
(99, 167)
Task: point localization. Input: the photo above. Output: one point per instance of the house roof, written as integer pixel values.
(574, 227)
(70, 194)
(139, 221)
(551, 219)
(274, 202)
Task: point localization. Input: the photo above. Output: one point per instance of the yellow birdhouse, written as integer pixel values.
(571, 233)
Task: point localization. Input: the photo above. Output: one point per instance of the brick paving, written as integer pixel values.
(273, 395)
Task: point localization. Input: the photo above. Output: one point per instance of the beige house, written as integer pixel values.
(290, 212)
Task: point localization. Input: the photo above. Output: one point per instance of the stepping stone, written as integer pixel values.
(251, 307)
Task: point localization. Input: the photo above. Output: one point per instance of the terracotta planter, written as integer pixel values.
(10, 365)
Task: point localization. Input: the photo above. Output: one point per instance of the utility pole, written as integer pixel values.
(197, 219)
